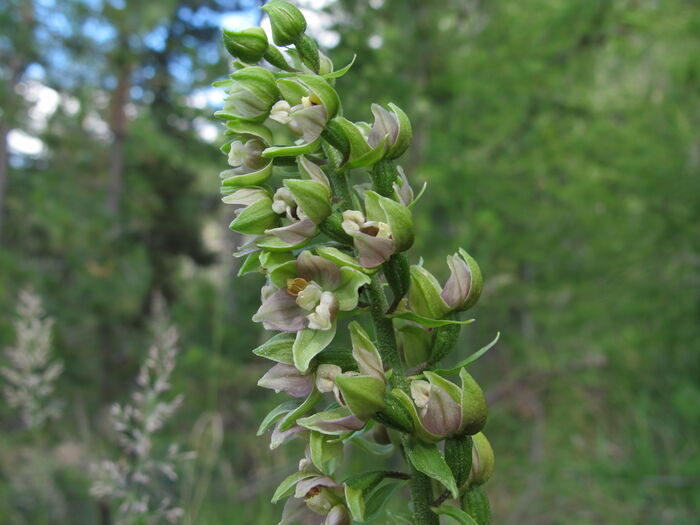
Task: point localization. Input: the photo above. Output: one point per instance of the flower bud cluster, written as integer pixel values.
(324, 250)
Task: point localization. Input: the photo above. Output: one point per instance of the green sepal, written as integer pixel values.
(239, 127)
(426, 458)
(396, 215)
(340, 258)
(347, 292)
(477, 281)
(286, 488)
(341, 357)
(232, 181)
(308, 344)
(315, 421)
(484, 460)
(292, 91)
(291, 151)
(424, 297)
(274, 415)
(250, 265)
(405, 135)
(372, 156)
(363, 395)
(324, 92)
(312, 197)
(278, 348)
(395, 414)
(273, 244)
(307, 406)
(410, 408)
(255, 218)
(473, 402)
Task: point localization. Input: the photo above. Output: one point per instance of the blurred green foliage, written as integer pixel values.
(561, 146)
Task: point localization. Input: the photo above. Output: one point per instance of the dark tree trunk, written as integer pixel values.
(120, 99)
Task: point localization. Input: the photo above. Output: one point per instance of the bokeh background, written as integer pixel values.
(560, 141)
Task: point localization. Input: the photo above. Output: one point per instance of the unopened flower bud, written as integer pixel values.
(325, 377)
(441, 409)
(482, 460)
(252, 92)
(461, 292)
(393, 125)
(338, 516)
(248, 45)
(288, 23)
(284, 377)
(313, 198)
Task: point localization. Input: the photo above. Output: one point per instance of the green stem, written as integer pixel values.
(384, 330)
(421, 488)
(422, 496)
(341, 188)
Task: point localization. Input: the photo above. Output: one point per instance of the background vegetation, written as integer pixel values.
(560, 141)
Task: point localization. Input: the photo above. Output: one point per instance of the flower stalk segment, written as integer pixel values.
(327, 220)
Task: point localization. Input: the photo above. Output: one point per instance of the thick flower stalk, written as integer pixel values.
(327, 217)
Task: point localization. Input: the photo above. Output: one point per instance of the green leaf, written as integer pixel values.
(455, 513)
(274, 415)
(342, 71)
(427, 459)
(476, 355)
(308, 344)
(356, 503)
(277, 348)
(372, 447)
(376, 502)
(426, 321)
(325, 451)
(286, 488)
